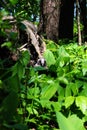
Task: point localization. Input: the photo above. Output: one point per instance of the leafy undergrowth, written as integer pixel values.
(51, 98)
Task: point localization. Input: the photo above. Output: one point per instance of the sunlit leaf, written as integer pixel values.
(62, 52)
(49, 91)
(69, 101)
(64, 123)
(56, 105)
(77, 122)
(63, 80)
(84, 67)
(81, 102)
(70, 123)
(49, 57)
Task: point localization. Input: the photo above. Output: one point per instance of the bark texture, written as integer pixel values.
(49, 18)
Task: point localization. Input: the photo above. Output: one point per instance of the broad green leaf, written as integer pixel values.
(56, 105)
(45, 103)
(69, 101)
(84, 67)
(70, 123)
(62, 52)
(61, 62)
(18, 69)
(49, 91)
(51, 45)
(64, 123)
(50, 59)
(14, 1)
(74, 88)
(63, 80)
(61, 91)
(84, 91)
(81, 102)
(67, 91)
(21, 71)
(77, 122)
(25, 58)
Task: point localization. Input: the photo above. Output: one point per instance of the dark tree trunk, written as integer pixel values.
(66, 19)
(49, 18)
(83, 18)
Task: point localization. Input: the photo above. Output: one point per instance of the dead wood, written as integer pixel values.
(27, 38)
(36, 41)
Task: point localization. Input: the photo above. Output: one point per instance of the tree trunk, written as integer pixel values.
(49, 18)
(66, 19)
(83, 18)
(78, 22)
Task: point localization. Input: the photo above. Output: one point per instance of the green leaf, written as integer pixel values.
(67, 91)
(76, 86)
(56, 105)
(25, 58)
(18, 69)
(84, 67)
(62, 52)
(77, 122)
(14, 1)
(39, 68)
(81, 102)
(69, 101)
(84, 91)
(49, 57)
(61, 62)
(32, 110)
(7, 44)
(49, 91)
(64, 123)
(70, 123)
(63, 80)
(45, 103)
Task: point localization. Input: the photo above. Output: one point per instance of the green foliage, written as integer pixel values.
(21, 9)
(49, 55)
(33, 98)
(70, 123)
(41, 98)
